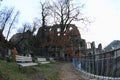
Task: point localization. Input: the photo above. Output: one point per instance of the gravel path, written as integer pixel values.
(69, 73)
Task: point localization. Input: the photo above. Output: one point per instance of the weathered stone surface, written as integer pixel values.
(64, 45)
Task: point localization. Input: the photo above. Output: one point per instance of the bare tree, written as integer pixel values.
(35, 25)
(12, 24)
(27, 26)
(5, 17)
(44, 12)
(22, 30)
(64, 12)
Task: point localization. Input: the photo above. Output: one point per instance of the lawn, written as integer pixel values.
(10, 71)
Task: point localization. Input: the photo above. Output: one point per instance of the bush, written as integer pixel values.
(8, 58)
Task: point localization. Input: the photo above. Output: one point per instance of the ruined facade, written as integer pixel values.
(54, 44)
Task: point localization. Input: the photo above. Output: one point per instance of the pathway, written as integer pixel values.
(69, 73)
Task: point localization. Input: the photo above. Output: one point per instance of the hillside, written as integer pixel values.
(113, 45)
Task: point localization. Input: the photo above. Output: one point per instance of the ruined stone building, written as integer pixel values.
(54, 44)
(50, 42)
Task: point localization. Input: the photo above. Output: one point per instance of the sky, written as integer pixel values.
(104, 14)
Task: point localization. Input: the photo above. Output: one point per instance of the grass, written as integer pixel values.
(10, 71)
(48, 71)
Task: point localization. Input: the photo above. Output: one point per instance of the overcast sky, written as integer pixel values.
(105, 13)
(106, 26)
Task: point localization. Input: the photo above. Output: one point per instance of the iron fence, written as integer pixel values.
(105, 64)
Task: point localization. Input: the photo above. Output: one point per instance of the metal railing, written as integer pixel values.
(103, 65)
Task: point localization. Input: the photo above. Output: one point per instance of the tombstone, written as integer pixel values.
(9, 52)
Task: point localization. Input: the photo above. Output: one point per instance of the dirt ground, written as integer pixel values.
(69, 73)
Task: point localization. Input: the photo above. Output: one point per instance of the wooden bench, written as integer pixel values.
(24, 61)
(42, 61)
(52, 59)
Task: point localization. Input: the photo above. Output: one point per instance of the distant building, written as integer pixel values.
(94, 50)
